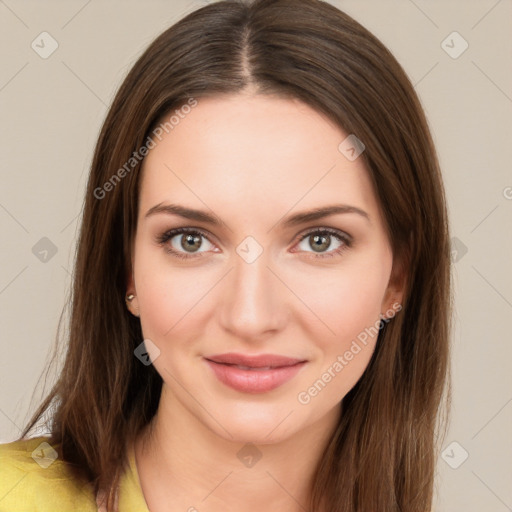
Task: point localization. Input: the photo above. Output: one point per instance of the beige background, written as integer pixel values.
(51, 113)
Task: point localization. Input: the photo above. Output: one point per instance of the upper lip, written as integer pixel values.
(255, 361)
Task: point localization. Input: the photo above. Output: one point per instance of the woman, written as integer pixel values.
(261, 297)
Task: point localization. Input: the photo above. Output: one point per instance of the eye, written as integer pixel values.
(321, 239)
(184, 242)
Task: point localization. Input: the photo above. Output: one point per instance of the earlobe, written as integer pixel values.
(131, 298)
(393, 298)
(392, 309)
(131, 304)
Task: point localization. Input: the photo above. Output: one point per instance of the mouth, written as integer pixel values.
(254, 374)
(241, 367)
(254, 361)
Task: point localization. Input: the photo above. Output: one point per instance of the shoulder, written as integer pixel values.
(33, 477)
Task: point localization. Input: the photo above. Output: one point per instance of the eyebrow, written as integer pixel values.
(292, 220)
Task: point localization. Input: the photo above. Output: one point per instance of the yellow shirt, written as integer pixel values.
(34, 478)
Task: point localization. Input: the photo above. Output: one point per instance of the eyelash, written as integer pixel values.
(342, 237)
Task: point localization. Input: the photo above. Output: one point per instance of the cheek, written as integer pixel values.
(350, 307)
(166, 294)
(168, 303)
(346, 301)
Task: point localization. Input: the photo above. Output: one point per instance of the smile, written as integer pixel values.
(254, 374)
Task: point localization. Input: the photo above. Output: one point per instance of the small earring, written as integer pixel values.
(130, 297)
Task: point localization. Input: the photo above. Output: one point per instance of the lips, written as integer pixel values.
(254, 374)
(255, 362)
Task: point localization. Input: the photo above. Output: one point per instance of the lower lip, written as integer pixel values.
(254, 381)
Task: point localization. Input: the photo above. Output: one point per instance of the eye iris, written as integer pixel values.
(188, 241)
(320, 242)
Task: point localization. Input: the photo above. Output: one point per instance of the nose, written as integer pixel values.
(253, 303)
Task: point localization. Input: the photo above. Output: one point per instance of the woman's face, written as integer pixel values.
(262, 280)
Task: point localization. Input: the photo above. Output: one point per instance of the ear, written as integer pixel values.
(132, 305)
(393, 297)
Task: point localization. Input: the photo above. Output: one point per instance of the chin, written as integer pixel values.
(256, 425)
(253, 434)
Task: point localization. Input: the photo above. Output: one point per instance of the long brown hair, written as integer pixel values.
(383, 453)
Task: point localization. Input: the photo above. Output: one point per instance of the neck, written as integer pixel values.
(185, 466)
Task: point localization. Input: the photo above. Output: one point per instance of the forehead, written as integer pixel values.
(251, 151)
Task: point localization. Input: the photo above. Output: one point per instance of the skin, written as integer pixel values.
(252, 160)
